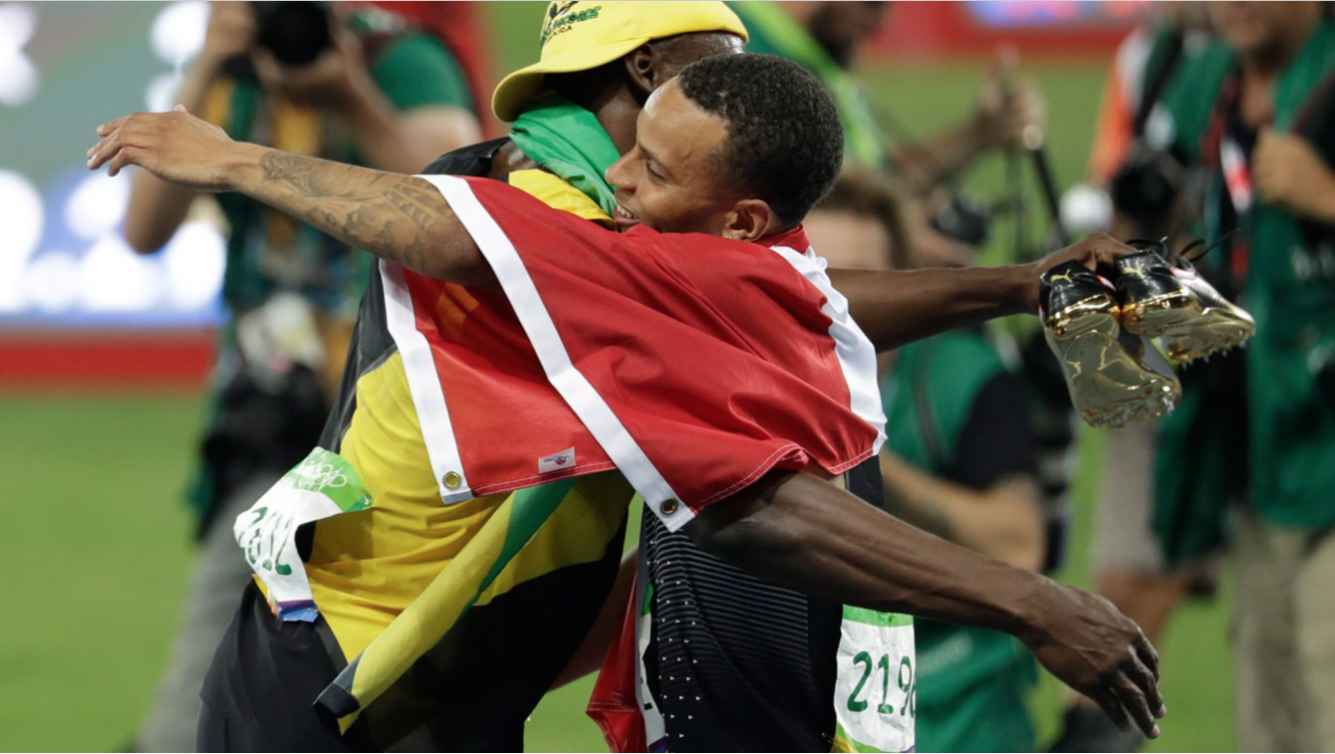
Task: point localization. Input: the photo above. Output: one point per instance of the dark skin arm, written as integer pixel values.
(898, 307)
(801, 532)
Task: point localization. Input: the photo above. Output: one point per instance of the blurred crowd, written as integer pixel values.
(1218, 123)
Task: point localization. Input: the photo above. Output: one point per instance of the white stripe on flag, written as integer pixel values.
(857, 356)
(574, 388)
(424, 384)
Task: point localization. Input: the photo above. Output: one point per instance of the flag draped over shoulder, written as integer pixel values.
(692, 364)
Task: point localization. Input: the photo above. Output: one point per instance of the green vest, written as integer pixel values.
(1290, 290)
(774, 32)
(972, 683)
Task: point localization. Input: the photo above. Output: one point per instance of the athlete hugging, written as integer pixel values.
(701, 356)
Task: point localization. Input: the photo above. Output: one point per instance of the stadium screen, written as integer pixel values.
(1005, 14)
(65, 68)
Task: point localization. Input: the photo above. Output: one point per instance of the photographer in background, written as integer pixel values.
(1248, 451)
(1134, 161)
(320, 79)
(825, 38)
(1133, 155)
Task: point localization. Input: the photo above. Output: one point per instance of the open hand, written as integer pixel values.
(175, 146)
(1094, 649)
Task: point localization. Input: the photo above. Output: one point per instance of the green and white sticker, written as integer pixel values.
(874, 696)
(319, 487)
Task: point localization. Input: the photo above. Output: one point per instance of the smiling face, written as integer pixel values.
(739, 146)
(670, 180)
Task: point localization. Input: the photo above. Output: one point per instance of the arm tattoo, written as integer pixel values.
(280, 166)
(396, 217)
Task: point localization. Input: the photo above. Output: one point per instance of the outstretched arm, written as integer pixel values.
(395, 217)
(803, 533)
(894, 308)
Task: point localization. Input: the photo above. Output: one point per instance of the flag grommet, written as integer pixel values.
(451, 480)
(669, 506)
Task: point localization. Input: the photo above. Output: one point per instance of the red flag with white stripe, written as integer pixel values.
(693, 364)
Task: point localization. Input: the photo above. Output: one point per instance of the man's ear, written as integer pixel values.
(646, 70)
(749, 220)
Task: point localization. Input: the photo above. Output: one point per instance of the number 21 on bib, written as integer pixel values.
(874, 699)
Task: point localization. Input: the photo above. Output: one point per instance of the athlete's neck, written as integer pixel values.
(618, 118)
(609, 97)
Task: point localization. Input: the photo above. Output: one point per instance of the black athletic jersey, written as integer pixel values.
(736, 664)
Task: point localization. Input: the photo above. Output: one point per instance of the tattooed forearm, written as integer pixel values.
(421, 217)
(280, 166)
(397, 217)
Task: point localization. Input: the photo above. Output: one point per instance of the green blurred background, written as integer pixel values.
(96, 541)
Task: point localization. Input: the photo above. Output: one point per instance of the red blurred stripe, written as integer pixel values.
(105, 359)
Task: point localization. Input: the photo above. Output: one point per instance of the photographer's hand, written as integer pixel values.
(1011, 112)
(157, 208)
(1291, 175)
(231, 32)
(338, 82)
(335, 81)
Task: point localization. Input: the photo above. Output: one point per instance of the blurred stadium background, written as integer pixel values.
(103, 354)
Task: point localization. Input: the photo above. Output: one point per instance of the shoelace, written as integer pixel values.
(1188, 254)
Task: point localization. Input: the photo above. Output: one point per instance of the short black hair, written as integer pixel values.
(785, 143)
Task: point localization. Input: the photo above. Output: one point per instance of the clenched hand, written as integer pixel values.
(1098, 252)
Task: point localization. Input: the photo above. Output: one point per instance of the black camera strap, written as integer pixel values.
(1157, 81)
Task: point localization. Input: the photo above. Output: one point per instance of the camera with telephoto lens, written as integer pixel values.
(295, 33)
(967, 219)
(1146, 188)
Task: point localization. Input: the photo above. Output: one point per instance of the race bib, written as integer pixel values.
(874, 697)
(321, 486)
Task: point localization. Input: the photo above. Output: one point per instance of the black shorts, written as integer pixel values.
(473, 691)
(259, 689)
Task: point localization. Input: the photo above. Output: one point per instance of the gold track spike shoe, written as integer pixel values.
(1105, 368)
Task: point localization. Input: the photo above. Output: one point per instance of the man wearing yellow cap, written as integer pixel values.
(574, 113)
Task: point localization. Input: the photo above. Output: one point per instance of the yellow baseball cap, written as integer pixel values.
(577, 36)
